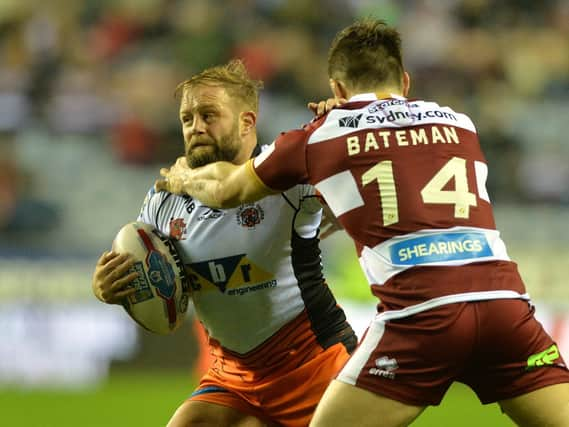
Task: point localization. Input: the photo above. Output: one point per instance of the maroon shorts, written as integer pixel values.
(496, 347)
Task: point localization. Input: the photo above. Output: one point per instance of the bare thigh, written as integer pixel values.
(546, 407)
(204, 414)
(344, 405)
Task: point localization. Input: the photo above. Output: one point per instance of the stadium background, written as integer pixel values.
(87, 118)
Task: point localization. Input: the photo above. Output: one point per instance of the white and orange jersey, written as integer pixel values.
(252, 269)
(406, 178)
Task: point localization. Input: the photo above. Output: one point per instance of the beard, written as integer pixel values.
(224, 149)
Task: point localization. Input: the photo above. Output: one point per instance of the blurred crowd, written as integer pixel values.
(108, 69)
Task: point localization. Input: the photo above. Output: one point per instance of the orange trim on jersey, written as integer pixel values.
(251, 168)
(296, 337)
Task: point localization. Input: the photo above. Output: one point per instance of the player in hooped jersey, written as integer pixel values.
(406, 179)
(276, 333)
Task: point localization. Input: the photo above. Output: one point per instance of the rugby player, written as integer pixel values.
(276, 333)
(406, 179)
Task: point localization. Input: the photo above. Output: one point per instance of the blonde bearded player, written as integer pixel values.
(276, 333)
(406, 178)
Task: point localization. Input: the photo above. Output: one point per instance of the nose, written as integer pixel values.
(197, 126)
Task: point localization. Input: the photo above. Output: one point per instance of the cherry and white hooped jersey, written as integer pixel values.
(252, 269)
(406, 179)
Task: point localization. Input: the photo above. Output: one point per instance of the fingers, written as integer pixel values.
(105, 257)
(181, 162)
(317, 108)
(119, 284)
(161, 185)
(173, 184)
(115, 262)
(329, 105)
(121, 295)
(313, 106)
(174, 178)
(120, 289)
(108, 258)
(323, 107)
(125, 265)
(118, 269)
(112, 275)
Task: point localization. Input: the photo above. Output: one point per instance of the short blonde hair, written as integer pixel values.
(232, 76)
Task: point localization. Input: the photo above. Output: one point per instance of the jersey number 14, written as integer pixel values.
(433, 192)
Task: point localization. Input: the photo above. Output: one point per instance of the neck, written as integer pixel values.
(247, 147)
(381, 93)
(388, 94)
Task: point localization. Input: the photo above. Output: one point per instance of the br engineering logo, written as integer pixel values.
(233, 275)
(350, 121)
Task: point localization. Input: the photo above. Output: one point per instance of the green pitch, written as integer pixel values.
(149, 400)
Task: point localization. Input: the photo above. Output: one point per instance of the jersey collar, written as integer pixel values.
(373, 97)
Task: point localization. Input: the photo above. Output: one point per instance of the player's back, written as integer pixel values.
(407, 181)
(413, 165)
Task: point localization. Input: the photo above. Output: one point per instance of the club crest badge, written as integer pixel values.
(177, 228)
(250, 215)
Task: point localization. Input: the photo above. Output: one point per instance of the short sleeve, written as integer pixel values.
(283, 164)
(151, 206)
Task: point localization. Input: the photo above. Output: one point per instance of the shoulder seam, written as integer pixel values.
(289, 202)
(159, 208)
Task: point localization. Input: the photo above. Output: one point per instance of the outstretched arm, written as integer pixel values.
(223, 184)
(217, 185)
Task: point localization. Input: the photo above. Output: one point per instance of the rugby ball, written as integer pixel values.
(162, 291)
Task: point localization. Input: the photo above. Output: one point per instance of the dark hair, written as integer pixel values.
(366, 55)
(233, 77)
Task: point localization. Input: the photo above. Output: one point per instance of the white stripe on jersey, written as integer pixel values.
(481, 170)
(387, 113)
(338, 190)
(267, 150)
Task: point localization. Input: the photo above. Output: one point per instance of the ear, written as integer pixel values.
(339, 89)
(406, 83)
(247, 122)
